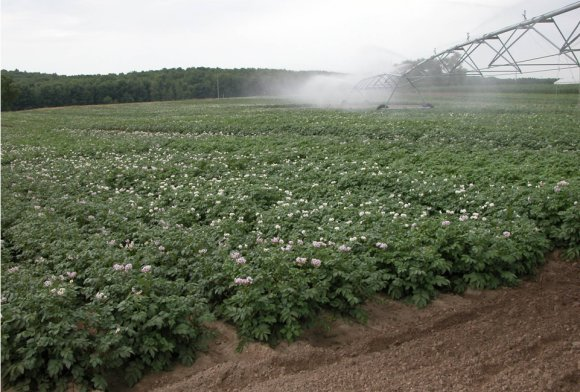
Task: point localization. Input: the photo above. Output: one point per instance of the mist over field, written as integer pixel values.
(324, 90)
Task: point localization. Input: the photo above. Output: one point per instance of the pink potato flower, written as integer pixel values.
(243, 281)
(344, 248)
(146, 269)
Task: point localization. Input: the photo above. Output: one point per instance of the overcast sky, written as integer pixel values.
(113, 36)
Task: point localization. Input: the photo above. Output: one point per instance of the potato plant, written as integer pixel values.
(126, 228)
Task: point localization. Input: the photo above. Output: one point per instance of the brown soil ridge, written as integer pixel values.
(512, 339)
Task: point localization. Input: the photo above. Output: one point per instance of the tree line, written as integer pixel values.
(28, 90)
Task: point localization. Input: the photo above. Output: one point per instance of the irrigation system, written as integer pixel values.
(548, 42)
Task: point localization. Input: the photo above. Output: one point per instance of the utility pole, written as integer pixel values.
(218, 86)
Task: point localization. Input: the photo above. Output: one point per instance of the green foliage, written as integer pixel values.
(264, 214)
(46, 90)
(64, 331)
(9, 92)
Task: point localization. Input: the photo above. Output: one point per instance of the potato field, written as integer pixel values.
(127, 228)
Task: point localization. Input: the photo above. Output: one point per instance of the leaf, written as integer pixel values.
(439, 280)
(67, 357)
(261, 332)
(95, 360)
(54, 367)
(509, 277)
(15, 370)
(133, 373)
(182, 329)
(99, 382)
(421, 298)
(124, 351)
(154, 322)
(139, 316)
(78, 372)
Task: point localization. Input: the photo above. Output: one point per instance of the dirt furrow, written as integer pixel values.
(512, 339)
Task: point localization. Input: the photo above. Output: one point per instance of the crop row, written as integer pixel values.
(119, 243)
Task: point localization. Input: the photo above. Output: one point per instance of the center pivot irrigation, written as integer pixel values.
(547, 43)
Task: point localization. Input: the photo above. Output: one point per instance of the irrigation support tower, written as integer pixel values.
(507, 51)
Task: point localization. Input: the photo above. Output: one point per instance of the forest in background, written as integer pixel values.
(28, 90)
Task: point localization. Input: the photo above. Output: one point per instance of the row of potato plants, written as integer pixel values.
(119, 245)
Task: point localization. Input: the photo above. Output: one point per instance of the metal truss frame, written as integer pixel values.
(494, 54)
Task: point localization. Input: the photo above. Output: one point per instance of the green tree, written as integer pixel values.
(40, 90)
(9, 92)
(445, 70)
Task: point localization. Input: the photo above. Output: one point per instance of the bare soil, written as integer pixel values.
(512, 339)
